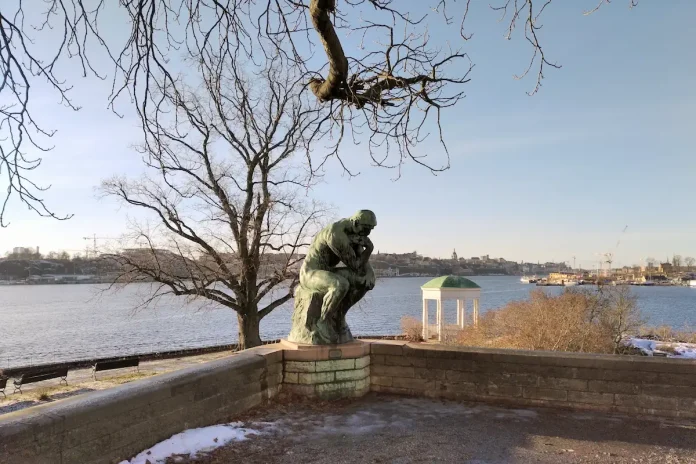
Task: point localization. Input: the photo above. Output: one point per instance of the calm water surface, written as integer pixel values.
(47, 323)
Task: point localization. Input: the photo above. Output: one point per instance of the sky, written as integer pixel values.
(600, 160)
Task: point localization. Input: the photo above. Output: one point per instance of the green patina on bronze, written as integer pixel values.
(327, 291)
(450, 281)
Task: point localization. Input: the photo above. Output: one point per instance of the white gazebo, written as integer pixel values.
(446, 288)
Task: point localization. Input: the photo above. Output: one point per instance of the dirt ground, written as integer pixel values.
(400, 430)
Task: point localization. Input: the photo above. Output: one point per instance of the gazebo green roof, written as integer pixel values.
(450, 281)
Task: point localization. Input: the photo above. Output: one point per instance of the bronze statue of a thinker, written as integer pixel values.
(327, 291)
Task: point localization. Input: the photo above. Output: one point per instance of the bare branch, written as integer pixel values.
(23, 62)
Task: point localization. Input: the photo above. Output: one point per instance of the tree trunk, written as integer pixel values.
(249, 329)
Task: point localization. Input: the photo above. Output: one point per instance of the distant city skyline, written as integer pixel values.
(608, 142)
(577, 262)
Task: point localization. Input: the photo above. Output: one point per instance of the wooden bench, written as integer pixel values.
(31, 377)
(3, 384)
(117, 364)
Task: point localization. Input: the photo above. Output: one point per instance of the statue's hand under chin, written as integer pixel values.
(367, 277)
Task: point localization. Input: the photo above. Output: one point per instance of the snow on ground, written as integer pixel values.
(193, 441)
(669, 349)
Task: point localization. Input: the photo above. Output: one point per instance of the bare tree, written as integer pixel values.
(677, 262)
(391, 92)
(226, 189)
(620, 316)
(31, 51)
(689, 261)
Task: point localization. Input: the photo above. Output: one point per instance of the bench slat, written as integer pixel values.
(108, 365)
(39, 376)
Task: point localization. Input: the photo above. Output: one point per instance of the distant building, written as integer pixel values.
(454, 255)
(25, 250)
(666, 267)
(389, 272)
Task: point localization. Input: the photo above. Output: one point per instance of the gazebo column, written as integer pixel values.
(440, 319)
(447, 288)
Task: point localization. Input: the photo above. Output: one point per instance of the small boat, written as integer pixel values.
(570, 283)
(529, 279)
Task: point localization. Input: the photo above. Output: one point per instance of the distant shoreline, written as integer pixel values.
(97, 281)
(462, 275)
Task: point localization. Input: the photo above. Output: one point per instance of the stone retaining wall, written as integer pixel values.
(115, 424)
(624, 384)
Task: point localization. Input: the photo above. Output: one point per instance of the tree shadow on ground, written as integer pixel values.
(68, 394)
(17, 406)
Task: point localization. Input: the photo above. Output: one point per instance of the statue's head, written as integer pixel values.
(363, 222)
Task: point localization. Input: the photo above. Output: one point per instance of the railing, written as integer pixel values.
(85, 363)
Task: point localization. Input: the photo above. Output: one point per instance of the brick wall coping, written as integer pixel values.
(549, 358)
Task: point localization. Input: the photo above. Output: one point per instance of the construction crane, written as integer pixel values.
(94, 239)
(609, 256)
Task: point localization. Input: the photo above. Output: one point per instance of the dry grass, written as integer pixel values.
(125, 378)
(576, 320)
(668, 334)
(412, 329)
(46, 393)
(59, 391)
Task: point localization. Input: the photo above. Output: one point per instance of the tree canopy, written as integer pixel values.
(372, 64)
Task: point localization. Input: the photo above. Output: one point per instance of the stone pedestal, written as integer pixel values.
(327, 371)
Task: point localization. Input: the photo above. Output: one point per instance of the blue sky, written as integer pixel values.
(608, 142)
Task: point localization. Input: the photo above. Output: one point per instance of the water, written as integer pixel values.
(49, 323)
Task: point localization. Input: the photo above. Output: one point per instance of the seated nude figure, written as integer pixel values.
(327, 291)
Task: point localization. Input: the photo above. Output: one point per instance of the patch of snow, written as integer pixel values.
(669, 349)
(685, 350)
(647, 347)
(193, 441)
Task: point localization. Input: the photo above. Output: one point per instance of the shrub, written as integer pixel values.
(668, 334)
(619, 315)
(43, 395)
(577, 320)
(412, 328)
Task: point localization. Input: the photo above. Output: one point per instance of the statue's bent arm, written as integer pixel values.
(339, 243)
